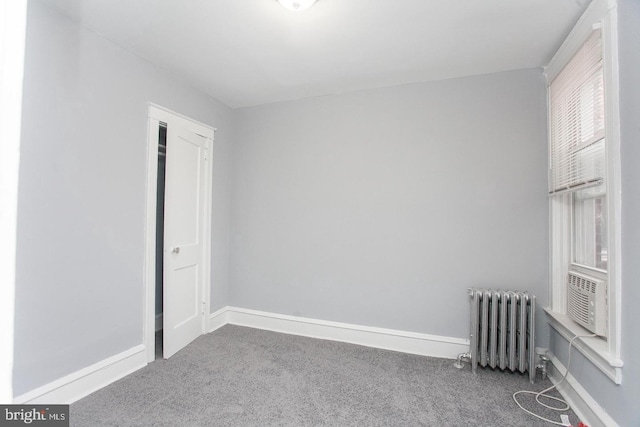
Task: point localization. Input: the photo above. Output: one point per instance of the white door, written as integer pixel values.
(183, 238)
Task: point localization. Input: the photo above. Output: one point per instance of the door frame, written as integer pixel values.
(156, 115)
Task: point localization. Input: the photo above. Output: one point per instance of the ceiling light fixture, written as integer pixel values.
(297, 5)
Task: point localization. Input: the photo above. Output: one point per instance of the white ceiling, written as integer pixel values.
(251, 52)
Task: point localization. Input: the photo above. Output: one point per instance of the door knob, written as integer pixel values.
(175, 250)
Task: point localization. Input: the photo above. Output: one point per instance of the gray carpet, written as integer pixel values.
(240, 376)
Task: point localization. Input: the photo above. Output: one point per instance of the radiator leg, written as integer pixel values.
(462, 357)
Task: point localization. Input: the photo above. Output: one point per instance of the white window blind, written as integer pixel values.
(577, 121)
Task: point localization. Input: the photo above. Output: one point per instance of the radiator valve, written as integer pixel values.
(462, 357)
(542, 365)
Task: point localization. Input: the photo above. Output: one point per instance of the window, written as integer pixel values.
(584, 180)
(589, 217)
(578, 150)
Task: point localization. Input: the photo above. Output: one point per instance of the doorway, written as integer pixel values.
(162, 153)
(178, 237)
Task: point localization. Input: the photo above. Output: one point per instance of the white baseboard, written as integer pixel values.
(81, 383)
(218, 319)
(585, 406)
(159, 322)
(388, 339)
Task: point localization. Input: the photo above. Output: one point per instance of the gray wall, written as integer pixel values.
(81, 213)
(381, 207)
(621, 402)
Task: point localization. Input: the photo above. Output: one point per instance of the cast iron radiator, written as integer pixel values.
(502, 330)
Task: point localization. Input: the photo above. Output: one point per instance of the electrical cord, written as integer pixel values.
(544, 394)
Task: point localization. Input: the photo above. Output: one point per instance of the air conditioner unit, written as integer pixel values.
(587, 302)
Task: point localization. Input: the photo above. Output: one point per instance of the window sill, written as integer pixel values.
(594, 349)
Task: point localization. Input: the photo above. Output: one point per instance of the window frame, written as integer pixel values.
(605, 354)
